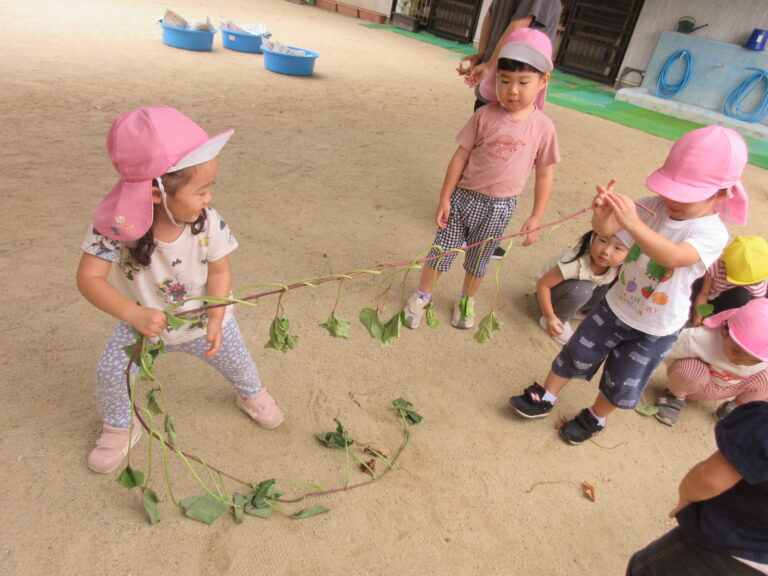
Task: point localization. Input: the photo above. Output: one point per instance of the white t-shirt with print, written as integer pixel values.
(653, 298)
(706, 344)
(178, 271)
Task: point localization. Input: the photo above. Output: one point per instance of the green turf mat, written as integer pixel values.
(598, 100)
(594, 99)
(429, 38)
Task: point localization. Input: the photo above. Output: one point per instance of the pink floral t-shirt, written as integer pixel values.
(503, 150)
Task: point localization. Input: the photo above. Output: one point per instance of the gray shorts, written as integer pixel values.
(631, 356)
(474, 217)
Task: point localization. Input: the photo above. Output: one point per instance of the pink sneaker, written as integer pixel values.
(261, 408)
(111, 448)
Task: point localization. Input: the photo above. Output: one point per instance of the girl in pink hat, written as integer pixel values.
(168, 245)
(727, 357)
(673, 241)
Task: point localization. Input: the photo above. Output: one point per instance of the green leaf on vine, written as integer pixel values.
(309, 512)
(175, 322)
(487, 327)
(170, 430)
(152, 404)
(432, 320)
(130, 478)
(338, 440)
(150, 501)
(206, 508)
(239, 501)
(646, 410)
(337, 327)
(263, 490)
(261, 502)
(705, 310)
(370, 319)
(392, 327)
(381, 332)
(407, 411)
(263, 511)
(279, 337)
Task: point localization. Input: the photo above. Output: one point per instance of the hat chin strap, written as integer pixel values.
(498, 98)
(165, 203)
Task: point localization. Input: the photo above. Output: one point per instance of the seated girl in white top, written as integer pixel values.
(576, 280)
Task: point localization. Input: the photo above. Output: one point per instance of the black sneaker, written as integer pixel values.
(498, 253)
(581, 428)
(530, 404)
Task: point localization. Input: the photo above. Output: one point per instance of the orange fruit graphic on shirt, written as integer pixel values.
(660, 298)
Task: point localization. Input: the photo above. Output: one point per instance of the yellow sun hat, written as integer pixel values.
(746, 260)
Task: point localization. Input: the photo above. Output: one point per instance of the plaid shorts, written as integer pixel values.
(474, 217)
(631, 356)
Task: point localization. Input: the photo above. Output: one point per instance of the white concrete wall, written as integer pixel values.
(729, 21)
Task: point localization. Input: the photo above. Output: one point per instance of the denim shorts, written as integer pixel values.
(631, 356)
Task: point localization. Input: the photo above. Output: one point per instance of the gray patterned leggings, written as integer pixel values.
(233, 361)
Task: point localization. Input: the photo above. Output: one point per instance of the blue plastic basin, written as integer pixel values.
(241, 41)
(290, 64)
(198, 40)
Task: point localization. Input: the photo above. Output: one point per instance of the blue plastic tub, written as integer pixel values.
(241, 41)
(290, 64)
(198, 40)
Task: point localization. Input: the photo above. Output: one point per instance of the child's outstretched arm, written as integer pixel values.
(656, 246)
(544, 296)
(709, 478)
(93, 284)
(542, 192)
(219, 284)
(452, 175)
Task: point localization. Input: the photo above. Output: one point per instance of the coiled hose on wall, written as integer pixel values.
(664, 89)
(732, 107)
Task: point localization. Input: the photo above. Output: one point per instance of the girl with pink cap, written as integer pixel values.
(672, 243)
(168, 245)
(727, 357)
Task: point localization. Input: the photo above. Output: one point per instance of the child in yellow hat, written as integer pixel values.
(738, 276)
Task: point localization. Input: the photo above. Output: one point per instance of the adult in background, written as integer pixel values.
(722, 514)
(503, 17)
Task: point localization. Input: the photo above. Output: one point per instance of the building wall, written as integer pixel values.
(729, 21)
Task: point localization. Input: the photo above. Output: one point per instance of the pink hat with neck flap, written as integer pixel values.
(526, 45)
(747, 326)
(143, 145)
(701, 163)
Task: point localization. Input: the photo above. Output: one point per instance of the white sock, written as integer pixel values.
(549, 397)
(600, 420)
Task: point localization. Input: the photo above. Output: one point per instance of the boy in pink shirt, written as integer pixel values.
(498, 148)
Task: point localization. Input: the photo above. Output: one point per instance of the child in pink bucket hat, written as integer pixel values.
(673, 241)
(498, 149)
(171, 248)
(727, 357)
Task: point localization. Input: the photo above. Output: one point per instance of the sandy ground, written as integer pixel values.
(324, 175)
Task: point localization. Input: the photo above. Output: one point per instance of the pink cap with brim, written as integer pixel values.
(526, 45)
(747, 326)
(701, 163)
(145, 144)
